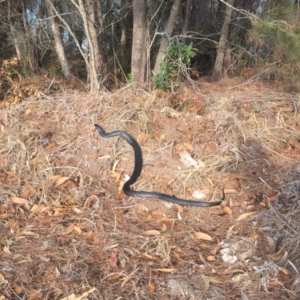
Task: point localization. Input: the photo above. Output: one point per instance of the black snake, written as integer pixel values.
(138, 165)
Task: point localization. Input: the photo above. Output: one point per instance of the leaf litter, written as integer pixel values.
(68, 232)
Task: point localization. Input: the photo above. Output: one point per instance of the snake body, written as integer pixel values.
(138, 165)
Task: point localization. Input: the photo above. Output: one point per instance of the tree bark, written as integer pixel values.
(58, 44)
(186, 17)
(139, 51)
(219, 64)
(91, 14)
(168, 32)
(22, 37)
(92, 20)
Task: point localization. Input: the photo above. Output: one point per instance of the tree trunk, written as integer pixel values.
(92, 23)
(218, 68)
(91, 14)
(58, 45)
(139, 51)
(186, 17)
(22, 38)
(168, 32)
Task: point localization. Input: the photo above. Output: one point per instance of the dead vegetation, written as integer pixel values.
(68, 232)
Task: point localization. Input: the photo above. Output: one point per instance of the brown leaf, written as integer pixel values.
(28, 193)
(227, 210)
(202, 236)
(1, 277)
(230, 191)
(61, 180)
(210, 258)
(151, 232)
(284, 270)
(29, 233)
(189, 146)
(77, 229)
(21, 201)
(81, 297)
(151, 286)
(68, 229)
(165, 270)
(36, 208)
(113, 260)
(245, 215)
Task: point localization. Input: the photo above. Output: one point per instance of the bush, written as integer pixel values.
(177, 59)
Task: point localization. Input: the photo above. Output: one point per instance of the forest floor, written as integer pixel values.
(67, 231)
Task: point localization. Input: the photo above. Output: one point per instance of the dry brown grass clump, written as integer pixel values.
(66, 227)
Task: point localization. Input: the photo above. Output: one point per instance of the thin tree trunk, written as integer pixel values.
(29, 43)
(58, 45)
(186, 17)
(218, 68)
(168, 32)
(91, 14)
(22, 38)
(123, 42)
(139, 51)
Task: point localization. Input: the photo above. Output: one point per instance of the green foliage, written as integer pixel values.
(278, 33)
(129, 78)
(177, 58)
(55, 69)
(278, 10)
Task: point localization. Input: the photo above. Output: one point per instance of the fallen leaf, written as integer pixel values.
(210, 258)
(143, 208)
(202, 236)
(20, 262)
(21, 201)
(77, 210)
(227, 210)
(245, 215)
(28, 193)
(120, 187)
(284, 270)
(61, 181)
(230, 191)
(179, 207)
(1, 277)
(68, 229)
(113, 260)
(115, 276)
(78, 229)
(116, 175)
(151, 232)
(29, 233)
(189, 146)
(82, 297)
(151, 286)
(36, 208)
(217, 248)
(165, 270)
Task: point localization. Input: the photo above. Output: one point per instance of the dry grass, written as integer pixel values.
(66, 228)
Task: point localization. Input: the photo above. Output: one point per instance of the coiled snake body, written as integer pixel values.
(138, 165)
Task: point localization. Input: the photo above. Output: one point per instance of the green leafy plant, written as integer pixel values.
(177, 59)
(278, 33)
(129, 78)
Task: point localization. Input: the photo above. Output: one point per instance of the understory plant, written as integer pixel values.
(177, 60)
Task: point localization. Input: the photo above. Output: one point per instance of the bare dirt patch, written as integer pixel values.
(66, 227)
